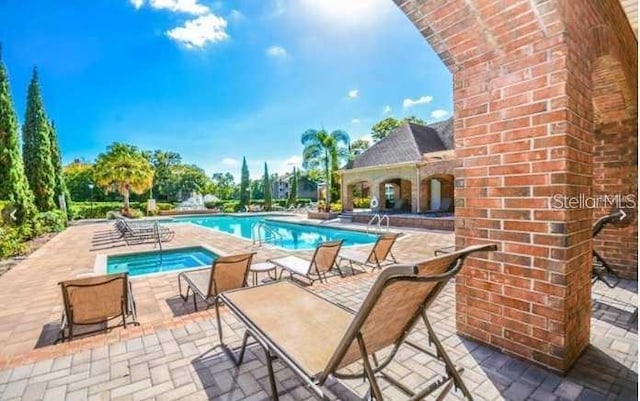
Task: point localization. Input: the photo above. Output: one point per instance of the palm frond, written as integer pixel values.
(309, 136)
(340, 137)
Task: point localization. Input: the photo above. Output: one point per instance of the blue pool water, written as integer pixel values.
(156, 262)
(290, 235)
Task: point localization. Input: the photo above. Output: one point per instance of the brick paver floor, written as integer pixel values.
(176, 355)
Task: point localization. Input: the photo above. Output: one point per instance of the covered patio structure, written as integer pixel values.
(409, 171)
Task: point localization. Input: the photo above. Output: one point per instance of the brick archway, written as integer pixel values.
(524, 131)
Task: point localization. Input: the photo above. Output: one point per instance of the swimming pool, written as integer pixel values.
(137, 264)
(289, 235)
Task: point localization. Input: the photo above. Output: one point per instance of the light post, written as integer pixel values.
(91, 197)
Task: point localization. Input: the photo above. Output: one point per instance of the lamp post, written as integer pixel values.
(91, 197)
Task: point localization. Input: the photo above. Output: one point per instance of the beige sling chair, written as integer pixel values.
(96, 300)
(379, 256)
(316, 338)
(323, 260)
(225, 273)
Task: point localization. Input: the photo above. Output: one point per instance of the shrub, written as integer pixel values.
(362, 203)
(303, 201)
(85, 210)
(49, 222)
(164, 206)
(11, 242)
(336, 206)
(136, 213)
(231, 206)
(214, 204)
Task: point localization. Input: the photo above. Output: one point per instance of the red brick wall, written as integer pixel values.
(524, 126)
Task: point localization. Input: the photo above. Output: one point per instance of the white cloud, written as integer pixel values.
(197, 32)
(179, 6)
(407, 103)
(277, 51)
(236, 15)
(353, 94)
(230, 162)
(277, 8)
(137, 3)
(342, 13)
(355, 121)
(439, 114)
(387, 110)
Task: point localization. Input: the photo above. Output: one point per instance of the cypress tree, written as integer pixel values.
(36, 149)
(14, 186)
(244, 183)
(58, 169)
(293, 188)
(267, 188)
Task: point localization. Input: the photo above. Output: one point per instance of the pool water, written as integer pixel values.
(289, 235)
(157, 262)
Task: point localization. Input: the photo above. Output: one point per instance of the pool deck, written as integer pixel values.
(174, 354)
(32, 304)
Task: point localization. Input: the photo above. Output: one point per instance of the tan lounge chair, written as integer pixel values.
(96, 300)
(323, 260)
(225, 273)
(379, 256)
(318, 339)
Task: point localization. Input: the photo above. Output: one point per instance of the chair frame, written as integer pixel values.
(371, 372)
(212, 291)
(128, 306)
(600, 267)
(378, 263)
(313, 264)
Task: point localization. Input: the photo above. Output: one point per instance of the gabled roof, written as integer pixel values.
(407, 143)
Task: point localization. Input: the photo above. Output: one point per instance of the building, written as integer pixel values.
(306, 187)
(411, 170)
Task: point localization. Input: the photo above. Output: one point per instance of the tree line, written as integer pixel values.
(31, 181)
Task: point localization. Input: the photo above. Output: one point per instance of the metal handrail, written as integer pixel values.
(156, 227)
(384, 217)
(255, 229)
(379, 218)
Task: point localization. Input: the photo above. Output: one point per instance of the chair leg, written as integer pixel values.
(371, 376)
(272, 378)
(195, 303)
(449, 366)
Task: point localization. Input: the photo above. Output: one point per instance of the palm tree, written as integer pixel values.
(124, 169)
(325, 150)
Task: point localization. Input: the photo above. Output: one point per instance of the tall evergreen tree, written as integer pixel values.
(13, 183)
(36, 149)
(293, 188)
(244, 184)
(58, 170)
(267, 188)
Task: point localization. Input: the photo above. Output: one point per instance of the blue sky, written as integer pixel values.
(218, 80)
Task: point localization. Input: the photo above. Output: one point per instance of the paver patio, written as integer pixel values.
(174, 354)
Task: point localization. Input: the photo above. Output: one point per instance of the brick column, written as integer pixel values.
(524, 131)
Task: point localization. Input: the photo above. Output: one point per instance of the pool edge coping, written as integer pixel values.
(100, 263)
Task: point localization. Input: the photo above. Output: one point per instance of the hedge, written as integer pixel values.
(13, 238)
(85, 210)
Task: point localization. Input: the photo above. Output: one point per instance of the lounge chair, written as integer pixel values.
(379, 255)
(323, 260)
(225, 273)
(139, 232)
(318, 339)
(96, 300)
